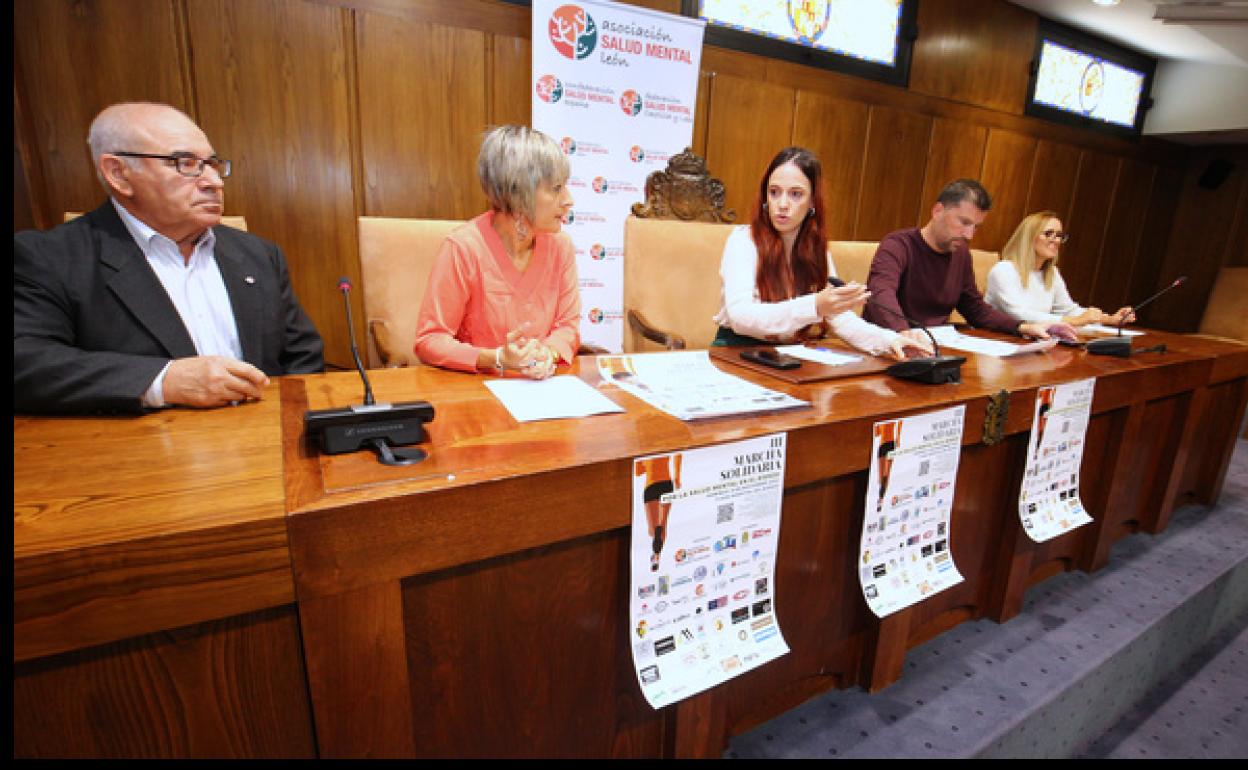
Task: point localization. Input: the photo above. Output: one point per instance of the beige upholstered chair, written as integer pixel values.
(673, 244)
(396, 256)
(238, 223)
(1226, 315)
(671, 283)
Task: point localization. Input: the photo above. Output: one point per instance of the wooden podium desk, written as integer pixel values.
(153, 600)
(404, 612)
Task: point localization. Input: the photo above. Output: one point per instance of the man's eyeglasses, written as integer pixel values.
(187, 163)
(1056, 235)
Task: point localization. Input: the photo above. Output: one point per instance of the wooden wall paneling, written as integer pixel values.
(956, 152)
(1202, 227)
(1237, 245)
(229, 688)
(423, 106)
(1094, 192)
(76, 58)
(28, 191)
(1053, 178)
(494, 16)
(893, 169)
(701, 112)
(836, 131)
(739, 143)
(1154, 235)
(511, 62)
(1008, 161)
(271, 81)
(974, 52)
(1111, 287)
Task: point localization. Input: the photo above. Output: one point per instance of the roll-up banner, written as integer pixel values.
(616, 86)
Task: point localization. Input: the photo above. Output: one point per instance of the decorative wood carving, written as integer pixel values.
(684, 190)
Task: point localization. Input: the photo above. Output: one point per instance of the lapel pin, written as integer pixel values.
(249, 279)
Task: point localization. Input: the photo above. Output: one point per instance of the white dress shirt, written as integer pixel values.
(1035, 303)
(743, 311)
(197, 290)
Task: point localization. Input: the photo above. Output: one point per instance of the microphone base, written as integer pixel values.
(1111, 346)
(931, 370)
(350, 428)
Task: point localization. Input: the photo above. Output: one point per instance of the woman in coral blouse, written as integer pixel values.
(503, 295)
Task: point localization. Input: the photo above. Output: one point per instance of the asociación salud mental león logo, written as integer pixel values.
(573, 31)
(630, 102)
(600, 184)
(636, 154)
(568, 145)
(549, 89)
(598, 251)
(596, 316)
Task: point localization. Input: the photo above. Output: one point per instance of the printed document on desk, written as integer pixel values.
(685, 384)
(949, 337)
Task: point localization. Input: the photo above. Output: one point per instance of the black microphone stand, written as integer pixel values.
(935, 369)
(384, 427)
(1119, 345)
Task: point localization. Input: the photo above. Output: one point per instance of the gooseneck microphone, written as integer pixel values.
(1119, 345)
(382, 427)
(934, 369)
(344, 286)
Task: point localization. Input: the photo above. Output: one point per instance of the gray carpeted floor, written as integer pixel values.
(1144, 658)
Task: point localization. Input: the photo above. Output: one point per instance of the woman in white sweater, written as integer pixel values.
(775, 272)
(1026, 285)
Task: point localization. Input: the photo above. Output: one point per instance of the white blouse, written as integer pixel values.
(743, 311)
(1035, 303)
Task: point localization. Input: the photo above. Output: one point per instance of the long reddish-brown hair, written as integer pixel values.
(807, 271)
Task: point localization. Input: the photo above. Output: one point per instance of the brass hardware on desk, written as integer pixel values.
(995, 416)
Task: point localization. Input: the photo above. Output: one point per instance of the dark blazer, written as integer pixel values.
(93, 326)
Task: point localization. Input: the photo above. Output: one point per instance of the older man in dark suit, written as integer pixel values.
(148, 301)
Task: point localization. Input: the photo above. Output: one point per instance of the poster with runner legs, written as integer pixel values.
(904, 553)
(1048, 501)
(706, 525)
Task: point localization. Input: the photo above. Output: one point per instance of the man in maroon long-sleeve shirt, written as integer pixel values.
(925, 272)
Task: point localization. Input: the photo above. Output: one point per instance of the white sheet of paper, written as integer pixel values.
(818, 355)
(950, 337)
(1103, 329)
(551, 399)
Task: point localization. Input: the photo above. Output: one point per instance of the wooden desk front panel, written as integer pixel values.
(231, 688)
(511, 580)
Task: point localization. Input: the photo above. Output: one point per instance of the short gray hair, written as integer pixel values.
(513, 161)
(115, 130)
(965, 190)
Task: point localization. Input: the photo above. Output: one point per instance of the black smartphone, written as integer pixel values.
(769, 357)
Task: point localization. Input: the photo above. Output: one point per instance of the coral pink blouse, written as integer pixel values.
(476, 296)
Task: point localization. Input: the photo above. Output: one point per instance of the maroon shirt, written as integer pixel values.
(913, 279)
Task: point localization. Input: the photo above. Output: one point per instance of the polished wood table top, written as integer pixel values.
(492, 485)
(126, 525)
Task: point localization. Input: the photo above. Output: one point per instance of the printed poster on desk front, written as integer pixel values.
(616, 86)
(904, 556)
(706, 524)
(1048, 501)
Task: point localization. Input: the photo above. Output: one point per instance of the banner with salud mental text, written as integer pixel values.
(616, 86)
